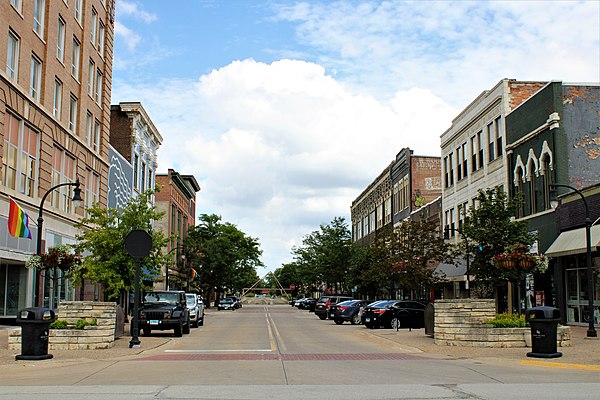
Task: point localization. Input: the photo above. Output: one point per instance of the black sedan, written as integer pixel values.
(394, 314)
(347, 311)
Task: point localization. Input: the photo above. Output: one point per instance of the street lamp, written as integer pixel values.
(447, 230)
(40, 222)
(588, 244)
(182, 248)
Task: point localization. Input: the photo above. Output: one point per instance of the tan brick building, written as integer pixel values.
(55, 79)
(177, 199)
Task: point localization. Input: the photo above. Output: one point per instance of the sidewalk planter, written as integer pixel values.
(462, 323)
(100, 336)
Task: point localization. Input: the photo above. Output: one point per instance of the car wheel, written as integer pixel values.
(370, 326)
(178, 331)
(395, 323)
(146, 331)
(201, 322)
(186, 328)
(338, 321)
(355, 320)
(323, 316)
(195, 324)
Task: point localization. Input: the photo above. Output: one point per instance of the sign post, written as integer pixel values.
(138, 244)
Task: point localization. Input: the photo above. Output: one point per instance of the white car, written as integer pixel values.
(192, 305)
(200, 310)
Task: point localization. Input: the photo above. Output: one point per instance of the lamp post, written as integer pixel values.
(591, 332)
(40, 222)
(447, 230)
(182, 248)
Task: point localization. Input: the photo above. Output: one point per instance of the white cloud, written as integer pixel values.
(281, 148)
(134, 10)
(130, 38)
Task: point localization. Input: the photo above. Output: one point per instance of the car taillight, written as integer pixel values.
(379, 311)
(341, 308)
(327, 304)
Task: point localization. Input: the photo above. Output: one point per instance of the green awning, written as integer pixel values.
(573, 242)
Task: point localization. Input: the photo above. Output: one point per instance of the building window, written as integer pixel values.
(101, 39)
(446, 173)
(458, 164)
(519, 189)
(73, 114)
(480, 148)
(75, 59)
(36, 78)
(18, 5)
(388, 210)
(98, 89)
(491, 142)
(60, 40)
(89, 121)
(451, 166)
(94, 26)
(12, 56)
(136, 161)
(39, 10)
(92, 188)
(91, 72)
(379, 215)
(532, 188)
(78, 10)
(546, 180)
(63, 171)
(473, 153)
(498, 128)
(96, 146)
(57, 108)
(19, 155)
(465, 168)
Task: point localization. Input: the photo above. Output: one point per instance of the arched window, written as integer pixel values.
(532, 187)
(546, 167)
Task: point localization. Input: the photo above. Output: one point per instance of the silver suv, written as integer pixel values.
(192, 305)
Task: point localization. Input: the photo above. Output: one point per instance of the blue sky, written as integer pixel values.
(285, 111)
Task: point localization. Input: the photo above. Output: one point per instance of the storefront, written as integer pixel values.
(569, 253)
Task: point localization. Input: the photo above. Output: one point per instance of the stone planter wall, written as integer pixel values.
(461, 323)
(101, 336)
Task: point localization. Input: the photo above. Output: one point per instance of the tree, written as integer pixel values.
(324, 256)
(223, 256)
(492, 227)
(103, 237)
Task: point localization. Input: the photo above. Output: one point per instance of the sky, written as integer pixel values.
(285, 111)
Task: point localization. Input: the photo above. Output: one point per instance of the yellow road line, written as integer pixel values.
(561, 365)
(271, 337)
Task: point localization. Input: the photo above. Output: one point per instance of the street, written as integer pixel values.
(281, 352)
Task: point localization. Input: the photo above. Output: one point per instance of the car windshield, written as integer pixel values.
(227, 300)
(190, 299)
(347, 303)
(161, 297)
(323, 299)
(381, 304)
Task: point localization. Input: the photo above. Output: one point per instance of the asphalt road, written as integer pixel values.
(261, 352)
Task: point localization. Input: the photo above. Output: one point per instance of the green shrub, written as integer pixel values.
(82, 323)
(59, 324)
(250, 294)
(508, 321)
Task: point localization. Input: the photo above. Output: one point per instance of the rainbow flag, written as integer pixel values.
(18, 221)
(194, 273)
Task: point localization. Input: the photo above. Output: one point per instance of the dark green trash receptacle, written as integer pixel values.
(35, 328)
(544, 322)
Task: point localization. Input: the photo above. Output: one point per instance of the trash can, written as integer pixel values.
(429, 319)
(543, 321)
(35, 326)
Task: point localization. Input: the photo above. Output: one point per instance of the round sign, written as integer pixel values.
(138, 243)
(292, 286)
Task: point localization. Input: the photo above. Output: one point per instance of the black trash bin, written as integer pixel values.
(35, 327)
(429, 319)
(544, 322)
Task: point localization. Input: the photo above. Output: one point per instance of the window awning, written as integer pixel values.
(573, 242)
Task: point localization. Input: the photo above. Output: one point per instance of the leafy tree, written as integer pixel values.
(103, 237)
(324, 256)
(492, 227)
(223, 256)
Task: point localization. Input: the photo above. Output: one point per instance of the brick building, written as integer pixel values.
(177, 199)
(54, 109)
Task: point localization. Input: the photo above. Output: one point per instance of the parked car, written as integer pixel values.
(163, 310)
(307, 303)
(394, 314)
(192, 306)
(226, 304)
(296, 302)
(324, 302)
(201, 310)
(348, 310)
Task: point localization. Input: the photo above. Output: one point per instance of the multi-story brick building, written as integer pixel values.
(553, 137)
(55, 82)
(177, 199)
(473, 151)
(408, 183)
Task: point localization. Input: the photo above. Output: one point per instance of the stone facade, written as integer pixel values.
(462, 323)
(100, 336)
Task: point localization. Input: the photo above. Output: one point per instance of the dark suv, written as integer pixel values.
(324, 302)
(163, 310)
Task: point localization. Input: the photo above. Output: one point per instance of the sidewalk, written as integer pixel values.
(584, 352)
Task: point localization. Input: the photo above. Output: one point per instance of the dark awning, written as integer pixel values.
(573, 242)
